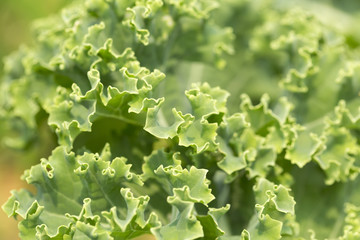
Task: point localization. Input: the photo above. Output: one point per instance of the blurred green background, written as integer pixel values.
(15, 24)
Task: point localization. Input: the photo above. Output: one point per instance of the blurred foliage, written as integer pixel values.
(16, 18)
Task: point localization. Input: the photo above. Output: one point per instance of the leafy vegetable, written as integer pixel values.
(143, 98)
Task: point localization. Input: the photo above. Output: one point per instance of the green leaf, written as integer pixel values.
(166, 169)
(74, 192)
(184, 224)
(210, 222)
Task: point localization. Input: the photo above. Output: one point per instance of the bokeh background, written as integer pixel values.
(15, 29)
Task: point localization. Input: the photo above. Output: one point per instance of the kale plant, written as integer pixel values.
(188, 119)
